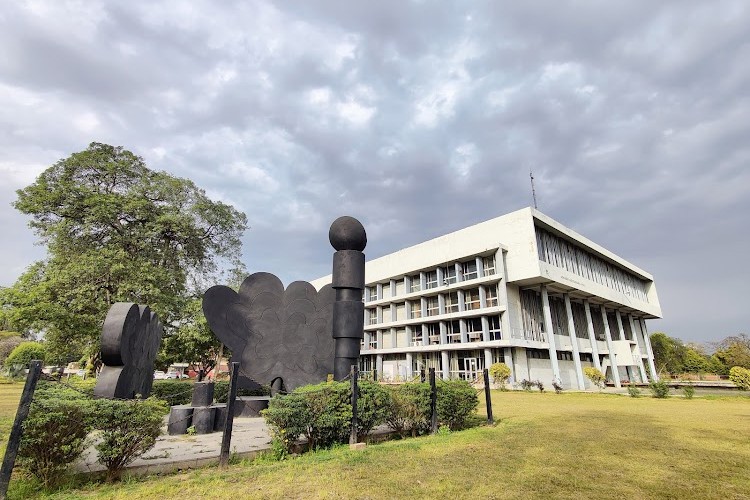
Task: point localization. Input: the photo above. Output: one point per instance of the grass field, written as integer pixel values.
(544, 446)
(9, 396)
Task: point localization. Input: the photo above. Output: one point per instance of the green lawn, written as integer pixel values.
(9, 396)
(545, 446)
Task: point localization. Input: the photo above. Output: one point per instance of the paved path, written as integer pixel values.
(171, 453)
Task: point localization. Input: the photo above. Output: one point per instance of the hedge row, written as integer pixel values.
(56, 431)
(322, 413)
(180, 392)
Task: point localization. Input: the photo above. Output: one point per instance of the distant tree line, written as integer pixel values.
(673, 356)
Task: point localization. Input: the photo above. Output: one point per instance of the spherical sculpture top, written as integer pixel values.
(347, 233)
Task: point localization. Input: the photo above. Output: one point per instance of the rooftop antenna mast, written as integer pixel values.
(533, 192)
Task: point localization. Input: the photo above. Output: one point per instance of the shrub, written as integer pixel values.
(741, 377)
(129, 429)
(527, 385)
(595, 376)
(24, 353)
(7, 344)
(329, 413)
(286, 419)
(688, 391)
(500, 373)
(539, 385)
(372, 407)
(409, 408)
(557, 386)
(456, 400)
(659, 389)
(221, 391)
(174, 392)
(633, 390)
(54, 433)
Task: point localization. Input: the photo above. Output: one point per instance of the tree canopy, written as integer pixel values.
(115, 231)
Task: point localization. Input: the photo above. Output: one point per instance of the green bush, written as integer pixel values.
(688, 391)
(741, 377)
(174, 392)
(24, 353)
(7, 344)
(129, 429)
(54, 433)
(372, 407)
(285, 417)
(659, 389)
(456, 401)
(595, 376)
(633, 390)
(409, 408)
(500, 373)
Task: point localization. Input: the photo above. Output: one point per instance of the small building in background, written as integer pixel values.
(521, 289)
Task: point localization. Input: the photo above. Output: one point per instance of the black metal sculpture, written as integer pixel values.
(348, 237)
(130, 339)
(277, 335)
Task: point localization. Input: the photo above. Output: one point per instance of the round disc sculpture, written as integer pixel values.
(130, 339)
(286, 337)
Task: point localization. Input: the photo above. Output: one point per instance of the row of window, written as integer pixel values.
(448, 274)
(430, 306)
(430, 333)
(561, 355)
(560, 253)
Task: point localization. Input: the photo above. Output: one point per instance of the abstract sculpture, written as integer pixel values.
(130, 339)
(275, 334)
(348, 237)
(286, 337)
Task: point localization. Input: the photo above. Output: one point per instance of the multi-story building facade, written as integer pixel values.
(521, 289)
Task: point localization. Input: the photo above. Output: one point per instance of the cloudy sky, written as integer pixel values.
(418, 118)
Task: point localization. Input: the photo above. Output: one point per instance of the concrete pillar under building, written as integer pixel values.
(550, 334)
(480, 266)
(621, 334)
(650, 351)
(639, 358)
(445, 358)
(574, 343)
(508, 356)
(611, 349)
(485, 329)
(409, 368)
(379, 365)
(592, 336)
(462, 327)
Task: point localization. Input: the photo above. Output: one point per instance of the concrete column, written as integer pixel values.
(422, 280)
(464, 334)
(482, 296)
(378, 314)
(459, 272)
(508, 355)
(425, 335)
(611, 349)
(379, 337)
(379, 289)
(423, 306)
(394, 340)
(392, 286)
(379, 365)
(443, 333)
(592, 335)
(574, 344)
(550, 334)
(366, 339)
(639, 358)
(487, 357)
(621, 333)
(480, 267)
(394, 313)
(440, 276)
(409, 369)
(485, 329)
(461, 300)
(650, 352)
(441, 304)
(445, 358)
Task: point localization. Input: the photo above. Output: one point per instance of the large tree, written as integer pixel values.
(734, 351)
(115, 231)
(669, 353)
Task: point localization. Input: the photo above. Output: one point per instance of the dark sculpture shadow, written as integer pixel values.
(130, 340)
(275, 333)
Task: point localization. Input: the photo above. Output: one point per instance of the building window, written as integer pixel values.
(454, 332)
(372, 316)
(474, 329)
(491, 294)
(537, 353)
(415, 309)
(430, 280)
(495, 332)
(373, 340)
(387, 314)
(415, 283)
(498, 356)
(433, 333)
(471, 299)
(564, 356)
(372, 293)
(433, 306)
(469, 270)
(586, 356)
(416, 336)
(488, 263)
(449, 275)
(387, 340)
(387, 291)
(451, 302)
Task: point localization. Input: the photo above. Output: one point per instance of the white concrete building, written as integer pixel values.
(521, 289)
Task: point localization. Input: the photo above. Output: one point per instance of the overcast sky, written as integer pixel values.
(417, 118)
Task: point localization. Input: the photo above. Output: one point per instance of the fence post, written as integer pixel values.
(354, 375)
(226, 438)
(487, 396)
(14, 440)
(421, 375)
(433, 403)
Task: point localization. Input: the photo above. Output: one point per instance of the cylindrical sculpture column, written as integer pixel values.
(348, 237)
